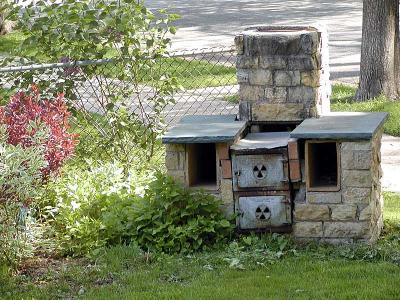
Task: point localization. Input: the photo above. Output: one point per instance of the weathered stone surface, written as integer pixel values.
(175, 147)
(251, 93)
(260, 77)
(304, 62)
(356, 145)
(239, 44)
(337, 241)
(226, 191)
(345, 229)
(178, 175)
(356, 178)
(356, 195)
(246, 62)
(324, 197)
(226, 169)
(273, 62)
(262, 111)
(287, 78)
(175, 160)
(308, 229)
(302, 94)
(242, 76)
(311, 212)
(356, 159)
(311, 78)
(300, 195)
(365, 213)
(343, 212)
(275, 94)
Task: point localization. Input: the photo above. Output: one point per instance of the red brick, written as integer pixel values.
(293, 149)
(295, 170)
(223, 151)
(226, 169)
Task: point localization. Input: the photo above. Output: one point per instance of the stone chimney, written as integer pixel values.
(283, 73)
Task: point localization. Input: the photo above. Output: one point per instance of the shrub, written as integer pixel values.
(171, 218)
(24, 109)
(20, 182)
(101, 206)
(92, 208)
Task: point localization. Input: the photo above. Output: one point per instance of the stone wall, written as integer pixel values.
(355, 212)
(283, 73)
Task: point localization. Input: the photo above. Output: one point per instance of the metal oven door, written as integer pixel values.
(260, 171)
(262, 212)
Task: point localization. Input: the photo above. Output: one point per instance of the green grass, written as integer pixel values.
(342, 100)
(230, 272)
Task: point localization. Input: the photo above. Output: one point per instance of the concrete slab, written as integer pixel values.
(262, 141)
(205, 129)
(341, 125)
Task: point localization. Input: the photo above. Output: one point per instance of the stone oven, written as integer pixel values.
(285, 163)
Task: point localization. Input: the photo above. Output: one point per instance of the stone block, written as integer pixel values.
(226, 169)
(175, 160)
(359, 145)
(343, 212)
(302, 94)
(303, 63)
(260, 77)
(275, 94)
(178, 175)
(324, 197)
(287, 78)
(175, 147)
(242, 75)
(333, 241)
(356, 195)
(356, 159)
(273, 62)
(311, 78)
(246, 62)
(311, 212)
(262, 111)
(245, 110)
(226, 191)
(345, 229)
(239, 44)
(356, 178)
(365, 213)
(308, 229)
(223, 151)
(300, 195)
(251, 92)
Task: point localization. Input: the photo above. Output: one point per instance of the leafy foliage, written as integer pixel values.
(20, 182)
(171, 219)
(24, 110)
(123, 31)
(92, 208)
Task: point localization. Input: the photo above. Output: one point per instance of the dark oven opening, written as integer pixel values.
(322, 163)
(202, 166)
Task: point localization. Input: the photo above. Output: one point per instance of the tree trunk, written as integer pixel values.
(379, 67)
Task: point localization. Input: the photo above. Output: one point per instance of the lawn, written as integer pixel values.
(342, 100)
(268, 268)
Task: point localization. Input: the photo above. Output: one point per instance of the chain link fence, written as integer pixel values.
(207, 79)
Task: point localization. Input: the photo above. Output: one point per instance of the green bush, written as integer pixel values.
(20, 182)
(171, 219)
(101, 206)
(92, 208)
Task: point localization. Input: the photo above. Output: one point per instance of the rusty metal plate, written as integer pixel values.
(259, 171)
(263, 212)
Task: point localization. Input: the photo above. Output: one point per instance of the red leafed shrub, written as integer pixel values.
(23, 109)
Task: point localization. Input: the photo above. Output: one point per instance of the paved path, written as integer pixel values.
(208, 23)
